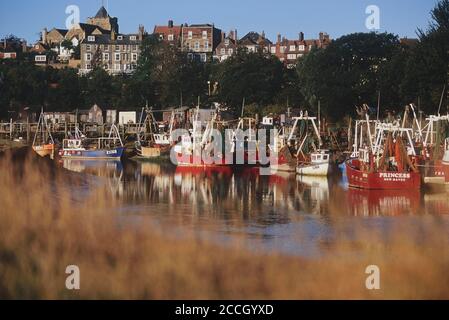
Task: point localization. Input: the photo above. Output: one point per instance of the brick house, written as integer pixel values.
(169, 33)
(200, 41)
(289, 51)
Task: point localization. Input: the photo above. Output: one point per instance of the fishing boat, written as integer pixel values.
(195, 148)
(389, 164)
(154, 139)
(104, 148)
(433, 149)
(319, 165)
(311, 159)
(300, 150)
(43, 143)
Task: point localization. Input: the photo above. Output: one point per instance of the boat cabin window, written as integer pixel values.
(72, 144)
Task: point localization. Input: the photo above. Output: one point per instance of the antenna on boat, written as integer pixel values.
(243, 107)
(378, 105)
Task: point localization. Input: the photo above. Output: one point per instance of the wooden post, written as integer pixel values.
(10, 129)
(28, 130)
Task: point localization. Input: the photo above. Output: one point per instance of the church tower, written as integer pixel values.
(104, 21)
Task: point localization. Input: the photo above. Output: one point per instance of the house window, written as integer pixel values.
(283, 49)
(203, 57)
(171, 37)
(117, 57)
(117, 48)
(190, 36)
(106, 47)
(120, 38)
(226, 42)
(134, 47)
(273, 50)
(223, 51)
(292, 48)
(206, 45)
(133, 38)
(204, 34)
(291, 56)
(41, 58)
(301, 48)
(88, 47)
(231, 51)
(161, 37)
(91, 38)
(88, 57)
(88, 66)
(106, 66)
(197, 45)
(106, 56)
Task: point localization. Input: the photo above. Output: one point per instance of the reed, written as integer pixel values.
(43, 229)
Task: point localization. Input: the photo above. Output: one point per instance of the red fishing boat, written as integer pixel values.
(388, 165)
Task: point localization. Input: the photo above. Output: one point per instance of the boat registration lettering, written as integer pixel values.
(111, 152)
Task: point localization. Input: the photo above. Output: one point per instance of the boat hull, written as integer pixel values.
(153, 152)
(45, 150)
(380, 180)
(445, 167)
(316, 169)
(433, 172)
(113, 154)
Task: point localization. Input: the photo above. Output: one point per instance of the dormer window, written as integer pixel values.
(133, 38)
(227, 42)
(91, 38)
(119, 37)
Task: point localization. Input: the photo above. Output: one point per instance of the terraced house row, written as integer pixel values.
(99, 43)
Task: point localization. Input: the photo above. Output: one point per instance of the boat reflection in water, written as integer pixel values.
(383, 202)
(279, 212)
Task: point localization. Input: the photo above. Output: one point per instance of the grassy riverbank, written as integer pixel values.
(42, 231)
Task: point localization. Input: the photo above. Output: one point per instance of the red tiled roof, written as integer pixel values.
(176, 30)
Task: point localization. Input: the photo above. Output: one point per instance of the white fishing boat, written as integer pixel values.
(319, 165)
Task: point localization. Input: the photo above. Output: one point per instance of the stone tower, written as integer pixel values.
(104, 21)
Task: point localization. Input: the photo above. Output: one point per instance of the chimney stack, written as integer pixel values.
(170, 24)
(301, 36)
(279, 38)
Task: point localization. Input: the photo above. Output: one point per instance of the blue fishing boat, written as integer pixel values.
(104, 148)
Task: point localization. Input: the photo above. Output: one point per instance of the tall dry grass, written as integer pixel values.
(42, 230)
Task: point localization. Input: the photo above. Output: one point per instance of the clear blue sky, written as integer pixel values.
(26, 18)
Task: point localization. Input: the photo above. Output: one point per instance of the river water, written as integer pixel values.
(281, 213)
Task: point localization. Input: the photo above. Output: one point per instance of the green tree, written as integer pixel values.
(348, 72)
(255, 77)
